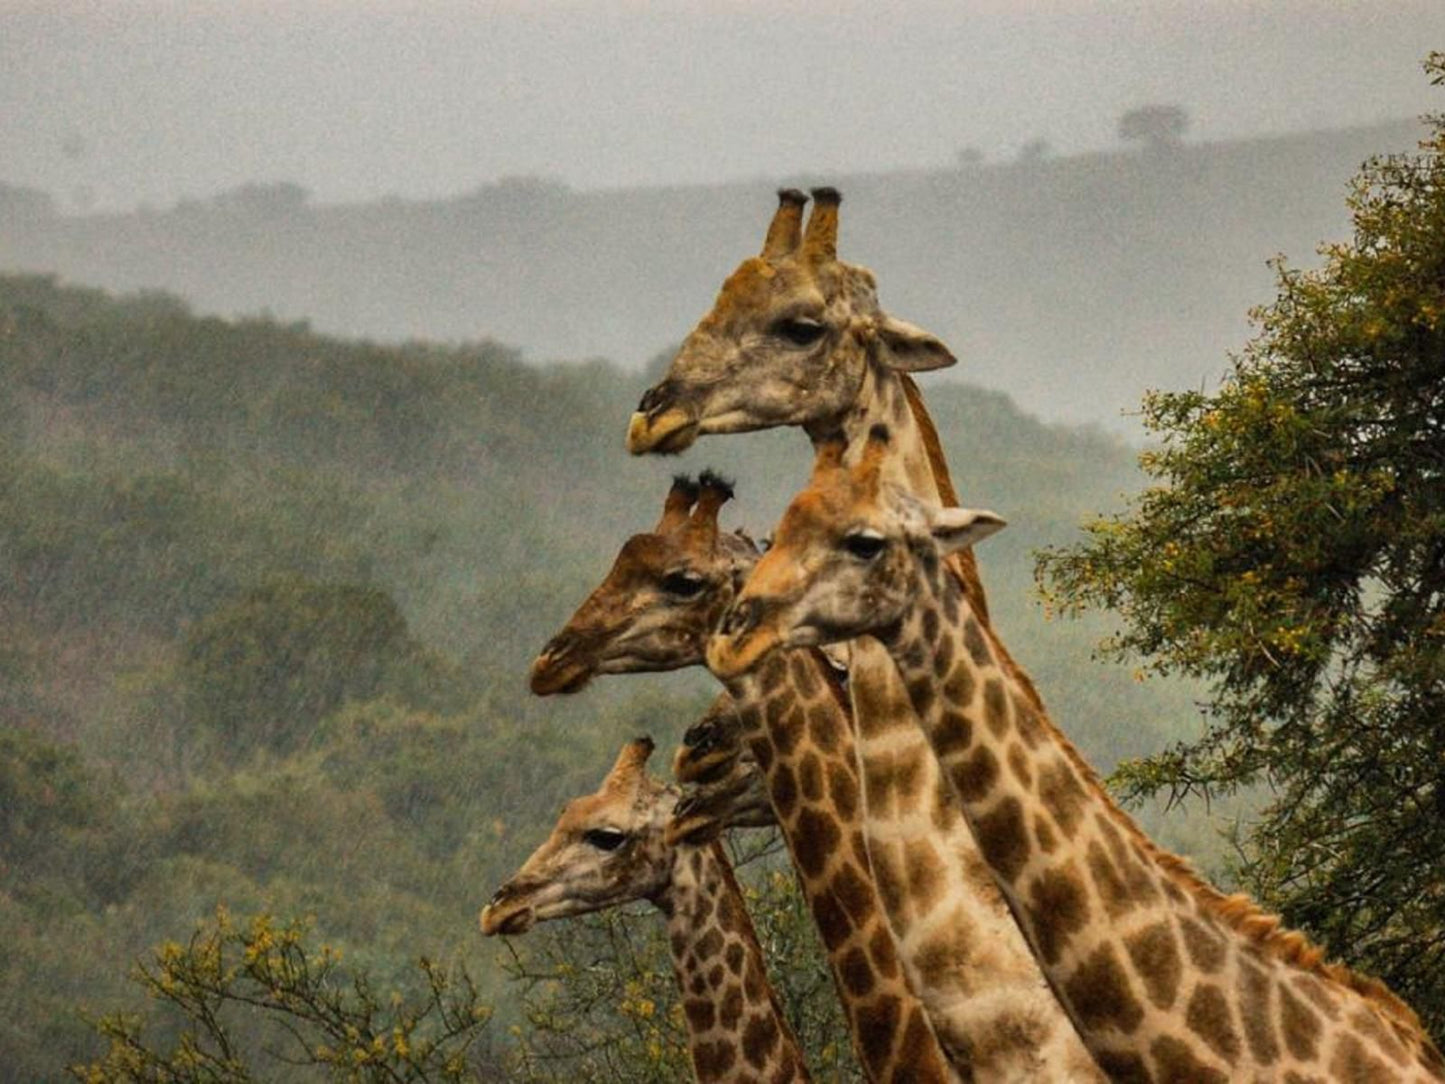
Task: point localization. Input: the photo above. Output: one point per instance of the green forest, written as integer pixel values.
(269, 599)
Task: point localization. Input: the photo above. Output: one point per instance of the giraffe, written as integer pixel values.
(984, 996)
(666, 591)
(608, 849)
(1167, 978)
(797, 337)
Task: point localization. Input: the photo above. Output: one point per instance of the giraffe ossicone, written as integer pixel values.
(1165, 977)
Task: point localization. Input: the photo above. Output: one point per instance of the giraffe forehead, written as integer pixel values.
(586, 809)
(756, 286)
(611, 803)
(821, 510)
(647, 554)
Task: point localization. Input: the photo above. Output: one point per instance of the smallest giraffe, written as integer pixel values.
(608, 849)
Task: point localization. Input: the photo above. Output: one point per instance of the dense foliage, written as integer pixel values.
(268, 599)
(1292, 554)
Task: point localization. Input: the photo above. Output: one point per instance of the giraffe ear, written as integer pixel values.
(958, 528)
(910, 349)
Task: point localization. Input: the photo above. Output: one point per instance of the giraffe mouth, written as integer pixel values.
(506, 924)
(666, 433)
(733, 656)
(552, 675)
(697, 765)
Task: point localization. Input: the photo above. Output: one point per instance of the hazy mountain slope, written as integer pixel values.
(1072, 283)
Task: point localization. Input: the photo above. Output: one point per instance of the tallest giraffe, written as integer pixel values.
(798, 337)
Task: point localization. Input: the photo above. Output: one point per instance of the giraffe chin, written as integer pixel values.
(507, 924)
(668, 433)
(730, 657)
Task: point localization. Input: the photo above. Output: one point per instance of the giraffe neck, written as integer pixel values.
(965, 956)
(962, 950)
(883, 400)
(793, 721)
(1160, 983)
(736, 1028)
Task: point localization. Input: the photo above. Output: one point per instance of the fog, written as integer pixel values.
(111, 105)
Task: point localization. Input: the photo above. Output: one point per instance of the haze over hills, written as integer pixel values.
(1071, 283)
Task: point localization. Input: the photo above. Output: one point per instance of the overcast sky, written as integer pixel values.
(116, 102)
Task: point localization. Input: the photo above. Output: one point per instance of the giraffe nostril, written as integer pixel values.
(650, 398)
(700, 738)
(560, 646)
(500, 894)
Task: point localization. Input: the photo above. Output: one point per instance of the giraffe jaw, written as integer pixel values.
(667, 433)
(692, 830)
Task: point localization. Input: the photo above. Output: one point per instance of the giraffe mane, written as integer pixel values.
(1242, 914)
(833, 681)
(1237, 911)
(963, 563)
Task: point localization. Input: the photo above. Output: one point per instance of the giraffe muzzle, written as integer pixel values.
(743, 617)
(742, 640)
(558, 669)
(660, 424)
(502, 915)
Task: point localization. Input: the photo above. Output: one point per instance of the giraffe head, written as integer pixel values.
(723, 785)
(606, 849)
(843, 560)
(665, 593)
(787, 342)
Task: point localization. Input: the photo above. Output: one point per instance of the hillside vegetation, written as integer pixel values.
(268, 601)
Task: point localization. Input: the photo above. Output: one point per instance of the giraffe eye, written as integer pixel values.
(864, 544)
(799, 330)
(684, 583)
(604, 839)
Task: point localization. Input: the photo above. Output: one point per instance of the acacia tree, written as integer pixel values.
(1291, 554)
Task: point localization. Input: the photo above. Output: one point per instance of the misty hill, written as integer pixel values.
(270, 597)
(1071, 283)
